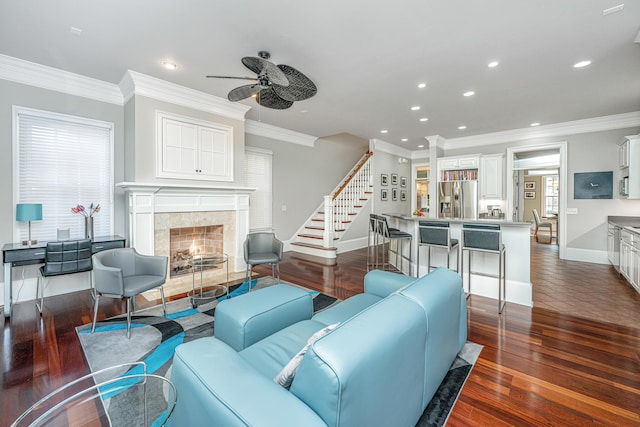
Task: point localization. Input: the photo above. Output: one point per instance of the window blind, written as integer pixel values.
(258, 175)
(63, 161)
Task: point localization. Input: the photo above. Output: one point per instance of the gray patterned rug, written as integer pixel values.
(154, 339)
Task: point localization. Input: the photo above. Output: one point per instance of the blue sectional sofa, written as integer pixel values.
(379, 367)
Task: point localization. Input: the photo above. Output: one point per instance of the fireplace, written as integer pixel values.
(185, 242)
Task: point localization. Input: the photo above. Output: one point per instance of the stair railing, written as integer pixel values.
(340, 205)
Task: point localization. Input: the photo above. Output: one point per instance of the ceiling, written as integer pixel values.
(366, 60)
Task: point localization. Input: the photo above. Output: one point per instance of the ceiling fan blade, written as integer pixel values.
(243, 92)
(268, 98)
(264, 67)
(232, 77)
(300, 86)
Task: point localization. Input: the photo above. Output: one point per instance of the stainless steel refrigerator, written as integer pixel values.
(458, 199)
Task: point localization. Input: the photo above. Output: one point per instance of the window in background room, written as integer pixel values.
(551, 184)
(257, 174)
(62, 161)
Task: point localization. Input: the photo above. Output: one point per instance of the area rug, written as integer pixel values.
(154, 339)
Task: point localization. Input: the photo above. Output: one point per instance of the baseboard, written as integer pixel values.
(351, 245)
(586, 255)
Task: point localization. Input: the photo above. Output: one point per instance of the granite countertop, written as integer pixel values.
(502, 222)
(631, 223)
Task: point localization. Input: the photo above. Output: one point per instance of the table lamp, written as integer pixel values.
(29, 212)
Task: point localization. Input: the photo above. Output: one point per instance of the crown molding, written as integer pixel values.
(281, 134)
(386, 147)
(420, 154)
(134, 83)
(42, 76)
(597, 124)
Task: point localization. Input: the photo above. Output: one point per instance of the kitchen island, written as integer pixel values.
(516, 236)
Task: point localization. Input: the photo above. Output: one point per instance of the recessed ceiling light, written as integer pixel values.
(169, 65)
(581, 64)
(404, 139)
(422, 85)
(493, 64)
(613, 9)
(415, 108)
(304, 111)
(384, 131)
(535, 124)
(424, 119)
(469, 93)
(462, 127)
(421, 146)
(75, 31)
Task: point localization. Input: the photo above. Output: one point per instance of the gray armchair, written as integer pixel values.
(262, 248)
(124, 273)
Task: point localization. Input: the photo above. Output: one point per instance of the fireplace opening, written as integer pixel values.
(187, 242)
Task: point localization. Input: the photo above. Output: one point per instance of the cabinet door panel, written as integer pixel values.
(180, 147)
(214, 153)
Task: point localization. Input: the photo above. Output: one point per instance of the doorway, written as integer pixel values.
(530, 168)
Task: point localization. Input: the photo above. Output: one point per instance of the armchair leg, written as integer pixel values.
(40, 294)
(164, 307)
(95, 313)
(250, 276)
(278, 271)
(129, 317)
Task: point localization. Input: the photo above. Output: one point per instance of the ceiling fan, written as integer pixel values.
(276, 86)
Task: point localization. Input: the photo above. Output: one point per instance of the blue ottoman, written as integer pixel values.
(248, 318)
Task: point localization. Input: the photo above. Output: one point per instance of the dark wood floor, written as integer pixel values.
(539, 366)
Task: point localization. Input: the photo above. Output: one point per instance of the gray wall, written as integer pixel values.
(32, 97)
(588, 152)
(303, 175)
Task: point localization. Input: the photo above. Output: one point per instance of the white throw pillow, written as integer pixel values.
(286, 375)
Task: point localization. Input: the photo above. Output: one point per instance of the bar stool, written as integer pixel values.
(485, 238)
(390, 235)
(373, 242)
(436, 234)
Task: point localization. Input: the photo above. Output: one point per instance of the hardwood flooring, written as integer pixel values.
(573, 359)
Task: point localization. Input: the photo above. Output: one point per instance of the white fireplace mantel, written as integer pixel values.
(147, 199)
(156, 187)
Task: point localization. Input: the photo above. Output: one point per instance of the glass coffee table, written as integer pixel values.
(123, 395)
(199, 263)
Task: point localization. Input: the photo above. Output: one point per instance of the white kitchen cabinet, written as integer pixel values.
(188, 148)
(630, 166)
(491, 177)
(626, 254)
(635, 263)
(452, 163)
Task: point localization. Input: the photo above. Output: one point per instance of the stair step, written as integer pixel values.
(313, 236)
(309, 245)
(312, 227)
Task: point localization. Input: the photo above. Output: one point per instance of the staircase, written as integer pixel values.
(324, 228)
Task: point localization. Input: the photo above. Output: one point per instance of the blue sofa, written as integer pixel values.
(380, 367)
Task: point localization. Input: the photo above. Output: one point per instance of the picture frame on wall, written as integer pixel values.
(529, 194)
(529, 185)
(384, 179)
(394, 194)
(394, 179)
(403, 196)
(384, 194)
(403, 181)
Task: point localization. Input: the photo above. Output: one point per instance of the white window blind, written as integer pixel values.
(257, 173)
(62, 161)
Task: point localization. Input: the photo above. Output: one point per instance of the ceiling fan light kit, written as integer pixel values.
(276, 86)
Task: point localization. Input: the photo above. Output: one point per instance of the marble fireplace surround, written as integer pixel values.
(155, 208)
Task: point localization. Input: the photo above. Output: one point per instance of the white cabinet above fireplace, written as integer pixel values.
(188, 148)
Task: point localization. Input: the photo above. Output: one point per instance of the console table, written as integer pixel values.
(17, 254)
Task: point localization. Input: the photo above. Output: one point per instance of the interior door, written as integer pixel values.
(516, 196)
